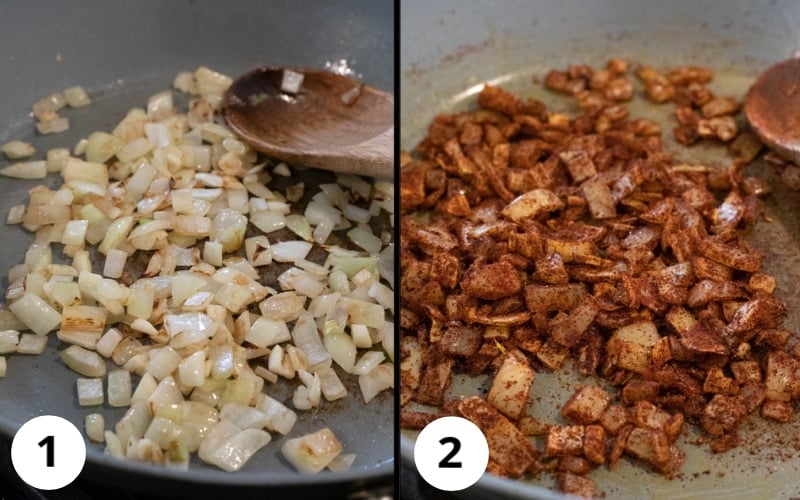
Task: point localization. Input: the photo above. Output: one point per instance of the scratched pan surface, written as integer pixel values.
(122, 52)
(448, 51)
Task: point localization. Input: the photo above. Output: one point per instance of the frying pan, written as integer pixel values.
(122, 52)
(449, 50)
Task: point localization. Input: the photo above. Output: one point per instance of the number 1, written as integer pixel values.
(50, 442)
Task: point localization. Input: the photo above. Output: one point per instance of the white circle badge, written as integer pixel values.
(48, 452)
(451, 453)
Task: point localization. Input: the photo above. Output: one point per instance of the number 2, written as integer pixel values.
(446, 463)
(50, 442)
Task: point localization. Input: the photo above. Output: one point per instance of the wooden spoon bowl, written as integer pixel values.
(772, 106)
(333, 122)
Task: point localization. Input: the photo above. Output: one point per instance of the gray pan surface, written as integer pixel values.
(122, 52)
(448, 51)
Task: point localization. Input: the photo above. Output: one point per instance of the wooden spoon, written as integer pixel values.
(333, 122)
(772, 106)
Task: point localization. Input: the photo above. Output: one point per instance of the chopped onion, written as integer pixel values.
(305, 337)
(342, 349)
(76, 96)
(312, 452)
(265, 332)
(119, 388)
(163, 362)
(115, 263)
(26, 170)
(108, 342)
(90, 391)
(94, 424)
(235, 451)
(192, 369)
(30, 344)
(291, 81)
(368, 361)
(290, 251)
(379, 379)
(48, 105)
(54, 125)
(35, 313)
(165, 183)
(9, 339)
(17, 149)
(83, 361)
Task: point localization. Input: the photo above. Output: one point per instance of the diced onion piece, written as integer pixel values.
(165, 393)
(265, 332)
(232, 453)
(368, 361)
(342, 349)
(17, 149)
(244, 417)
(82, 325)
(90, 391)
(258, 251)
(306, 338)
(30, 343)
(76, 96)
(80, 147)
(113, 445)
(108, 342)
(93, 173)
(48, 105)
(363, 312)
(16, 214)
(147, 384)
(26, 170)
(192, 369)
(342, 462)
(134, 149)
(140, 301)
(133, 424)
(388, 339)
(228, 228)
(119, 388)
(184, 81)
(57, 159)
(101, 147)
(281, 419)
(163, 362)
(212, 253)
(160, 105)
(311, 453)
(379, 379)
(364, 238)
(282, 169)
(221, 358)
(290, 251)
(53, 126)
(116, 234)
(291, 81)
(331, 385)
(95, 424)
(361, 336)
(37, 314)
(9, 339)
(83, 361)
(115, 263)
(75, 232)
